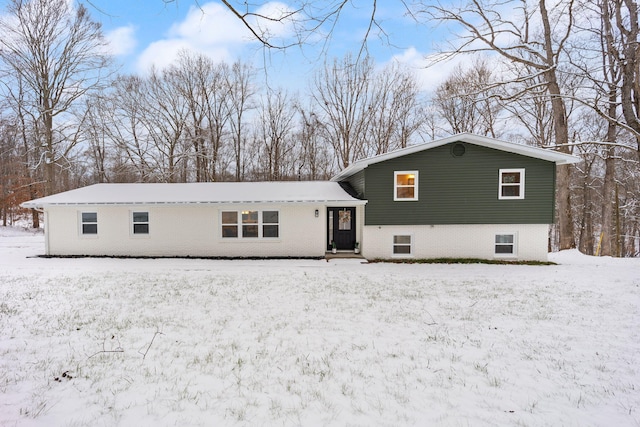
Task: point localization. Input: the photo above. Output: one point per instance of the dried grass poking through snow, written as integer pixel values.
(187, 342)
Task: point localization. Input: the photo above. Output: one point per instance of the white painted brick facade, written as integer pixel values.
(195, 230)
(457, 241)
(184, 230)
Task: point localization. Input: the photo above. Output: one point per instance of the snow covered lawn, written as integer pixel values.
(201, 342)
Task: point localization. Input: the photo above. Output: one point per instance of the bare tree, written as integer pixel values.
(58, 53)
(275, 131)
(466, 99)
(539, 47)
(126, 106)
(626, 21)
(314, 161)
(239, 103)
(95, 134)
(341, 92)
(204, 86)
(395, 108)
(12, 188)
(165, 121)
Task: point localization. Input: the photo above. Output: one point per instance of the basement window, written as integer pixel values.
(402, 245)
(505, 244)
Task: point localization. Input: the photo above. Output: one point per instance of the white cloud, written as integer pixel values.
(162, 53)
(281, 23)
(211, 29)
(429, 70)
(121, 41)
(209, 24)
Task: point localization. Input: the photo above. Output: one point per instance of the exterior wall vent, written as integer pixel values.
(458, 150)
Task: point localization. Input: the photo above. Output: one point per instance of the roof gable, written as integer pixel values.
(524, 150)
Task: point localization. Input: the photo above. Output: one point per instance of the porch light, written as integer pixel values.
(317, 213)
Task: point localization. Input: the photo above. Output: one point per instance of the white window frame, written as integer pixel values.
(394, 244)
(82, 223)
(396, 186)
(520, 184)
(132, 229)
(514, 245)
(244, 224)
(269, 224)
(237, 224)
(240, 225)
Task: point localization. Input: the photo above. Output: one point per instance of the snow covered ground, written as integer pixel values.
(128, 342)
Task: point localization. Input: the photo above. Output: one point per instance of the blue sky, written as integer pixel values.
(151, 32)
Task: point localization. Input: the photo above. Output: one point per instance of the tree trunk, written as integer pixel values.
(561, 132)
(608, 189)
(35, 218)
(586, 242)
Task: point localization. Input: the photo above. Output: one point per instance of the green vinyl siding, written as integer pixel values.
(357, 183)
(460, 190)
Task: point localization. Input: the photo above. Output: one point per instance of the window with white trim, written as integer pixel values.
(270, 224)
(89, 223)
(511, 184)
(402, 245)
(505, 244)
(229, 221)
(250, 224)
(140, 222)
(405, 185)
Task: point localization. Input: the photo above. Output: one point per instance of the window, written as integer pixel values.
(250, 224)
(254, 224)
(511, 184)
(505, 244)
(405, 185)
(230, 224)
(89, 222)
(140, 222)
(270, 224)
(402, 245)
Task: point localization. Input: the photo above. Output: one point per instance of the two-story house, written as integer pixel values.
(462, 196)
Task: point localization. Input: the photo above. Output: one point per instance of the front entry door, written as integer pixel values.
(341, 226)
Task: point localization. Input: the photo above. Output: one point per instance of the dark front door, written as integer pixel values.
(341, 226)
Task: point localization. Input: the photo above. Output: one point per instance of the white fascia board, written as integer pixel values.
(338, 202)
(483, 141)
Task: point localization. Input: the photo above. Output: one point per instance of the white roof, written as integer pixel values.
(201, 193)
(525, 150)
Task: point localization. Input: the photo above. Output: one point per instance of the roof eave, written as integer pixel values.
(31, 205)
(483, 141)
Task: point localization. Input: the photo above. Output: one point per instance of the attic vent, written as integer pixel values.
(458, 150)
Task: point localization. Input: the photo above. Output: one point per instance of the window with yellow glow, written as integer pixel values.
(405, 185)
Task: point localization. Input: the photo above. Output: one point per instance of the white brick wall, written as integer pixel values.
(457, 241)
(181, 230)
(184, 230)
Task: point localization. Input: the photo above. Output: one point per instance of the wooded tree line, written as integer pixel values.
(564, 76)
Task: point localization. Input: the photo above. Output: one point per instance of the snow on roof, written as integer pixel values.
(524, 150)
(200, 193)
